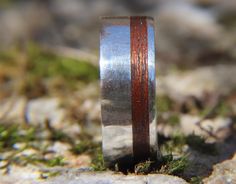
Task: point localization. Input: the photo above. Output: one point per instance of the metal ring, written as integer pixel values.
(127, 73)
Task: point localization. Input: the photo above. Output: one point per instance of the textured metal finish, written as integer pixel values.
(127, 72)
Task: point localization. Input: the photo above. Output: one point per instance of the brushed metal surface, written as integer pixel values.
(116, 89)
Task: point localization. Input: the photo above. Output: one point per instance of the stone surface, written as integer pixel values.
(215, 79)
(41, 110)
(78, 176)
(223, 173)
(20, 175)
(202, 164)
(183, 35)
(71, 160)
(13, 109)
(220, 127)
(108, 178)
(45, 109)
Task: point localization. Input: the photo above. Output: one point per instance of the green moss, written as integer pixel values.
(198, 143)
(97, 161)
(84, 147)
(175, 144)
(223, 109)
(8, 57)
(94, 150)
(49, 174)
(174, 120)
(56, 161)
(12, 134)
(45, 65)
(88, 146)
(167, 165)
(143, 167)
(41, 72)
(177, 141)
(173, 166)
(164, 103)
(7, 3)
(36, 159)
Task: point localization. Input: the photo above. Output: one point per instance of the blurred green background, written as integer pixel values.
(49, 84)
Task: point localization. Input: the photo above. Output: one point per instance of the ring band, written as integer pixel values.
(127, 72)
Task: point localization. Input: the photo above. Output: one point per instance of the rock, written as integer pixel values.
(202, 164)
(18, 22)
(223, 173)
(59, 148)
(220, 127)
(78, 161)
(166, 130)
(92, 108)
(20, 175)
(109, 177)
(173, 15)
(164, 179)
(85, 100)
(13, 109)
(186, 30)
(78, 176)
(215, 79)
(38, 111)
(71, 160)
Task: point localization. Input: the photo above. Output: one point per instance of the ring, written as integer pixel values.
(127, 80)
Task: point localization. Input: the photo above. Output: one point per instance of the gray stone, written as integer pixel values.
(20, 175)
(220, 127)
(215, 79)
(13, 109)
(186, 37)
(45, 109)
(40, 110)
(202, 164)
(111, 178)
(223, 173)
(164, 179)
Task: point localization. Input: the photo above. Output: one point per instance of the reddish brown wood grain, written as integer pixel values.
(139, 88)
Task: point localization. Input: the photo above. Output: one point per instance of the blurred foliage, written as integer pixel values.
(84, 147)
(173, 119)
(143, 167)
(44, 65)
(224, 109)
(164, 103)
(173, 166)
(166, 165)
(97, 161)
(195, 142)
(15, 139)
(6, 3)
(12, 134)
(40, 72)
(174, 144)
(37, 159)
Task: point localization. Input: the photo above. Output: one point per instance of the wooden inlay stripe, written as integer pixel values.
(139, 88)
